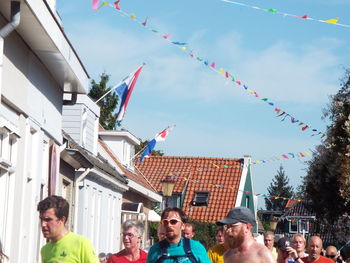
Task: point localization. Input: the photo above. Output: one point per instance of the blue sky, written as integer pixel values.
(296, 63)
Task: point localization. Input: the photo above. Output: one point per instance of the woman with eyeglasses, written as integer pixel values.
(131, 235)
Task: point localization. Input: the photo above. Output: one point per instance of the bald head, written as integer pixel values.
(314, 248)
(332, 253)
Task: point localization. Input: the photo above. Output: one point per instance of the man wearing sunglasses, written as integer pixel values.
(175, 248)
(238, 226)
(332, 253)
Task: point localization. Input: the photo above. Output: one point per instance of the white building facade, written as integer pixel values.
(91, 184)
(37, 65)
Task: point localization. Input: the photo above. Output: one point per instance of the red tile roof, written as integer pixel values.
(219, 176)
(291, 203)
(135, 176)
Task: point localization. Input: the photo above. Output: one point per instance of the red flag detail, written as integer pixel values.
(166, 36)
(144, 22)
(305, 127)
(213, 65)
(226, 74)
(94, 4)
(116, 4)
(238, 82)
(285, 156)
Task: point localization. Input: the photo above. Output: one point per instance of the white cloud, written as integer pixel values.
(282, 72)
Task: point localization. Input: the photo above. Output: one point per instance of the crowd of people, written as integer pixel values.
(234, 241)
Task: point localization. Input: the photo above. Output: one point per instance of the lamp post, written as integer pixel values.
(167, 189)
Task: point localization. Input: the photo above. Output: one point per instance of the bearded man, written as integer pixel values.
(238, 226)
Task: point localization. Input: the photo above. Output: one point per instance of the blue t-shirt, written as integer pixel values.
(197, 249)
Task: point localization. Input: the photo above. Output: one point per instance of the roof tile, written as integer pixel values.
(219, 176)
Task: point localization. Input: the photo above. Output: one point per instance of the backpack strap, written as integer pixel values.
(165, 255)
(164, 244)
(188, 251)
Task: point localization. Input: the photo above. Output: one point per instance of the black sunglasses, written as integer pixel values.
(331, 256)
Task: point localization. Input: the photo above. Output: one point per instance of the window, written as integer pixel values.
(304, 226)
(299, 226)
(293, 226)
(8, 143)
(247, 198)
(201, 198)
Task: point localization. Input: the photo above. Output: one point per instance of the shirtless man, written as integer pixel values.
(238, 226)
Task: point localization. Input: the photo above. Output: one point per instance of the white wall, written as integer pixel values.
(99, 214)
(80, 121)
(28, 85)
(120, 147)
(23, 188)
(32, 103)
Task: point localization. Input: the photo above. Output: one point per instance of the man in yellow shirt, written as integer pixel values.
(216, 252)
(63, 246)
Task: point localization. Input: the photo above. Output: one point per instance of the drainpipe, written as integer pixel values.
(76, 196)
(6, 30)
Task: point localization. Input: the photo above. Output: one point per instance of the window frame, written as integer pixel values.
(196, 202)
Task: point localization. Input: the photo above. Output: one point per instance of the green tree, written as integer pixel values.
(279, 187)
(108, 104)
(328, 176)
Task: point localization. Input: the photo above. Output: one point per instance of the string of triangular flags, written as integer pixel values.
(333, 21)
(174, 175)
(212, 65)
(283, 157)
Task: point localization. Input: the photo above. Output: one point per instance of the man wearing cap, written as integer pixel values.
(238, 226)
(286, 254)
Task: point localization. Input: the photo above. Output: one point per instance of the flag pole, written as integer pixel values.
(172, 127)
(116, 86)
(138, 153)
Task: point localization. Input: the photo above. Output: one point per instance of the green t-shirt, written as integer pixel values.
(72, 248)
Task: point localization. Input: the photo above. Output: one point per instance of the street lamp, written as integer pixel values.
(167, 189)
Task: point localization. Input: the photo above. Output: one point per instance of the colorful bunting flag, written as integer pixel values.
(333, 21)
(221, 70)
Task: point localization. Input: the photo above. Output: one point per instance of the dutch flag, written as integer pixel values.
(160, 137)
(124, 91)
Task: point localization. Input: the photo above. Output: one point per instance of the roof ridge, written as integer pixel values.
(194, 157)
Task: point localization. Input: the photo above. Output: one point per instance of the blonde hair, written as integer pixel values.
(299, 235)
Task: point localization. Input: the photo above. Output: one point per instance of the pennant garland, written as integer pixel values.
(174, 175)
(284, 157)
(333, 21)
(227, 75)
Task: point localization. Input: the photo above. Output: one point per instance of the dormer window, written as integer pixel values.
(201, 198)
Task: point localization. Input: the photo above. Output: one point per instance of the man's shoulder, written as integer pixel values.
(217, 247)
(195, 243)
(76, 237)
(323, 259)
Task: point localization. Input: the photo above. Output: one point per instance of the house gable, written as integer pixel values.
(221, 177)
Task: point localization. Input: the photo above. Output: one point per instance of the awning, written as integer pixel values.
(153, 216)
